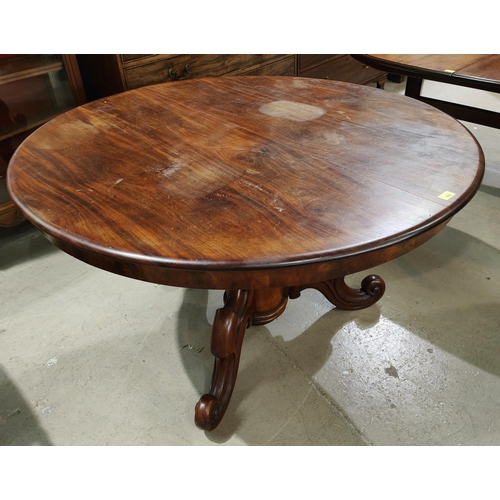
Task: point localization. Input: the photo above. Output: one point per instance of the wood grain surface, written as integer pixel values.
(432, 62)
(242, 177)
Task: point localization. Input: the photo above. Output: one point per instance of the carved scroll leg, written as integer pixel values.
(345, 297)
(227, 337)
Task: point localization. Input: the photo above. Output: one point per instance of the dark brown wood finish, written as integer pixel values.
(261, 186)
(478, 71)
(340, 67)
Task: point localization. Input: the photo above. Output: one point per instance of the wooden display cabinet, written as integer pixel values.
(33, 89)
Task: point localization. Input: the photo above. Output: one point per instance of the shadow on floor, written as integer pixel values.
(18, 424)
(490, 190)
(21, 244)
(456, 301)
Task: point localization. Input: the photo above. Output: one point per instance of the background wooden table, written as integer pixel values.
(476, 71)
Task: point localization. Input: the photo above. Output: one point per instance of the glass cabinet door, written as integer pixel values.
(33, 89)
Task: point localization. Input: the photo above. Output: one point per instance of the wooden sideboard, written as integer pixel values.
(108, 74)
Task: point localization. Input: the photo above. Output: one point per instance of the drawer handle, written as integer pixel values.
(173, 74)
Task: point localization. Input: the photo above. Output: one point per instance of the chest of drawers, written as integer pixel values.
(108, 74)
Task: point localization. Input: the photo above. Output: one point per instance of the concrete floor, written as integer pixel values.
(91, 358)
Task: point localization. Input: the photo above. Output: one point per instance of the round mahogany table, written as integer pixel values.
(260, 186)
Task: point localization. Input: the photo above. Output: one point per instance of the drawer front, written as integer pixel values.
(285, 67)
(133, 57)
(308, 61)
(344, 69)
(193, 66)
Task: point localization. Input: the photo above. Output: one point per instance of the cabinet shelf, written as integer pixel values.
(14, 68)
(34, 122)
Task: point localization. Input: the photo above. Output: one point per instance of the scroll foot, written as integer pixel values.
(345, 297)
(227, 337)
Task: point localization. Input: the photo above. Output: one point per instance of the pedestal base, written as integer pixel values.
(243, 308)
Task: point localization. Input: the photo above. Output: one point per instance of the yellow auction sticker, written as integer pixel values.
(446, 195)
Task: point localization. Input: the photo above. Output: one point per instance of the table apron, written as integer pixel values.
(248, 279)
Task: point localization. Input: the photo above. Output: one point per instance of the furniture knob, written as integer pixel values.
(173, 74)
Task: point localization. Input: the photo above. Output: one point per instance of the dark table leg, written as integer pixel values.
(242, 308)
(227, 337)
(458, 111)
(413, 87)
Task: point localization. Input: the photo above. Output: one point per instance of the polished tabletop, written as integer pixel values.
(243, 173)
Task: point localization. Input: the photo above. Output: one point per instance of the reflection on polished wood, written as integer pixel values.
(260, 186)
